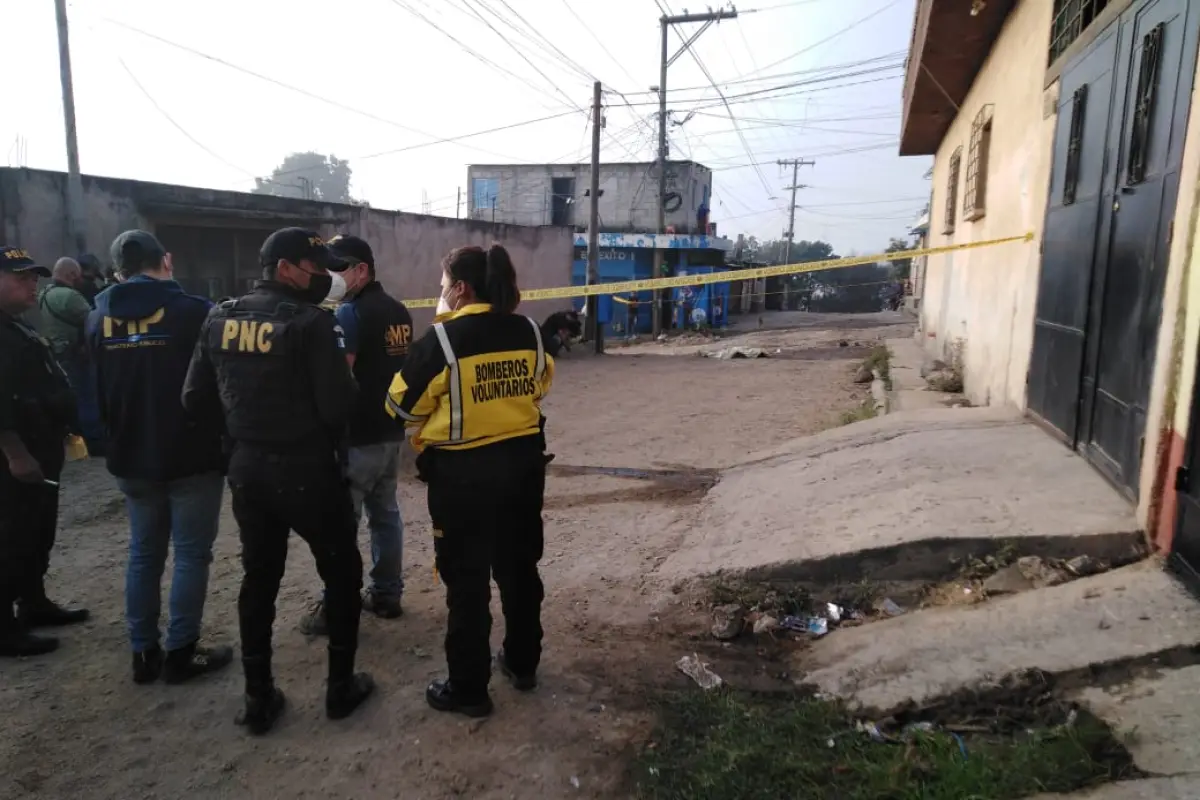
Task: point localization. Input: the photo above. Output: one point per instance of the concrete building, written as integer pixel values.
(556, 194)
(214, 236)
(1074, 120)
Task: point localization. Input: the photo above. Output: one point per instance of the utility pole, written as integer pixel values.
(666, 22)
(76, 225)
(458, 204)
(594, 329)
(795, 164)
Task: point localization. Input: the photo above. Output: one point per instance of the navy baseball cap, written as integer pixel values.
(14, 259)
(295, 245)
(351, 250)
(136, 250)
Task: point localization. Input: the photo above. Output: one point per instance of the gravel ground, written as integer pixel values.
(77, 727)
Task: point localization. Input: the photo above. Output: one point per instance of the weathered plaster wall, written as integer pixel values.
(986, 298)
(408, 247)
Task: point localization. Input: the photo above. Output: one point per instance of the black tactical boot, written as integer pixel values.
(264, 702)
(441, 697)
(522, 683)
(147, 665)
(192, 661)
(347, 690)
(40, 612)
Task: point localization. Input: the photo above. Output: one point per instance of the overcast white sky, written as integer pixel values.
(379, 78)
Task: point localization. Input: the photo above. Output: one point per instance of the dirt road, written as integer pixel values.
(75, 726)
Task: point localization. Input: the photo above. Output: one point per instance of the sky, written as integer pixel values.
(214, 94)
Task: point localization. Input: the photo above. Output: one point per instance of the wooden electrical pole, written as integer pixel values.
(795, 164)
(666, 22)
(76, 225)
(595, 329)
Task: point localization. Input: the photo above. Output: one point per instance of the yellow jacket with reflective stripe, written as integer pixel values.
(475, 378)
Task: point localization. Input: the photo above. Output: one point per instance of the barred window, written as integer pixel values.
(1071, 19)
(975, 196)
(952, 190)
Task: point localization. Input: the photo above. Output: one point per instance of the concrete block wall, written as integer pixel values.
(627, 202)
(408, 247)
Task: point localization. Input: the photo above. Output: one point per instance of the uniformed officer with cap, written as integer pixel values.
(378, 329)
(37, 411)
(274, 365)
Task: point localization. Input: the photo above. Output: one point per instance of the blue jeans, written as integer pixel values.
(81, 374)
(373, 471)
(184, 514)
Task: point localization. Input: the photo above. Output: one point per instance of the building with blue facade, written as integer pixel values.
(630, 256)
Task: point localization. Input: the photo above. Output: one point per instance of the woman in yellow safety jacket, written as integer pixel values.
(472, 389)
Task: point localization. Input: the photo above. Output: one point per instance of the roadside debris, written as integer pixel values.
(889, 607)
(698, 671)
(737, 352)
(864, 375)
(765, 624)
(1040, 572)
(728, 621)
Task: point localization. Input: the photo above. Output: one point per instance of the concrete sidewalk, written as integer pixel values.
(947, 473)
(909, 391)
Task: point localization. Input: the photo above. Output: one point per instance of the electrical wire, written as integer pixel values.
(471, 51)
(588, 28)
(745, 144)
(298, 90)
(176, 125)
(834, 35)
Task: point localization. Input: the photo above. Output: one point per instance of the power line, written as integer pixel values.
(596, 39)
(276, 82)
(471, 51)
(833, 35)
(176, 125)
(687, 45)
(575, 64)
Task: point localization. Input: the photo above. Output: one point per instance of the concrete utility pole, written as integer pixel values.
(458, 204)
(594, 329)
(76, 224)
(666, 22)
(795, 164)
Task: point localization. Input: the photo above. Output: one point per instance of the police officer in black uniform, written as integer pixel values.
(472, 388)
(378, 331)
(37, 411)
(273, 364)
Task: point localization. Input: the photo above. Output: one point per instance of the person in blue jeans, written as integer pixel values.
(378, 329)
(169, 467)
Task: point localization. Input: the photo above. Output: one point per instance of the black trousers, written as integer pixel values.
(272, 498)
(28, 524)
(486, 509)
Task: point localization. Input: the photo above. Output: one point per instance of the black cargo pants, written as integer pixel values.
(274, 495)
(28, 524)
(486, 508)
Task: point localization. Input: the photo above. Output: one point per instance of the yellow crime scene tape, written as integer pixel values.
(752, 274)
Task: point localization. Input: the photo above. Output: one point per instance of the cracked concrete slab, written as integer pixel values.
(1161, 715)
(957, 473)
(1134, 611)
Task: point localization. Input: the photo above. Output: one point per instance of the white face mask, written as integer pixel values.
(337, 288)
(443, 306)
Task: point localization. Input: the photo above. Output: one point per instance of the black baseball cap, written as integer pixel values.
(14, 259)
(134, 251)
(295, 245)
(351, 250)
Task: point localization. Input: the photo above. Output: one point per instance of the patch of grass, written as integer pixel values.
(726, 745)
(865, 410)
(756, 596)
(880, 359)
